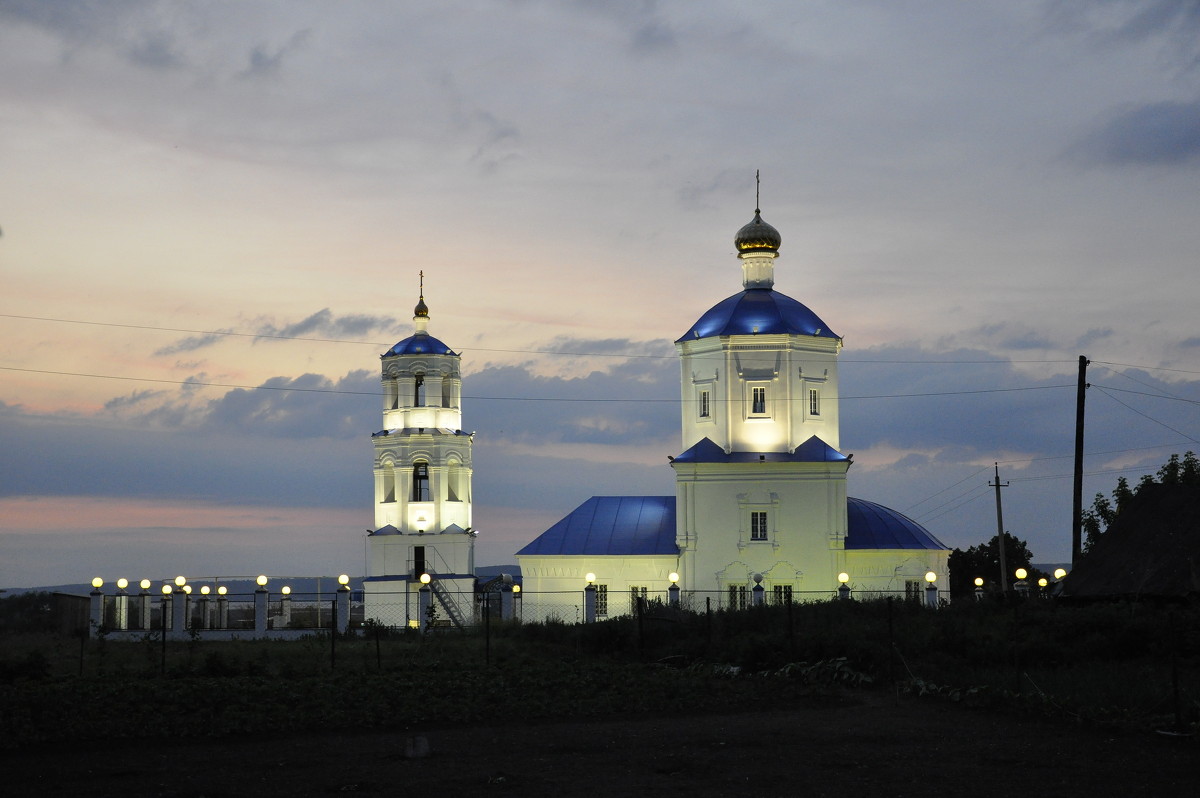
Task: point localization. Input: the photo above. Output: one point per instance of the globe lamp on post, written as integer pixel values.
(589, 599)
(843, 585)
(931, 592)
(673, 590)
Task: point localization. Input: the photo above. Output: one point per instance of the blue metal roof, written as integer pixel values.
(873, 526)
(419, 344)
(631, 525)
(813, 450)
(618, 525)
(760, 311)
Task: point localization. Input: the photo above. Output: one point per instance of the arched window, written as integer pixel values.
(419, 391)
(420, 483)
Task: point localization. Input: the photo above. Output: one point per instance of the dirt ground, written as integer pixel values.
(867, 744)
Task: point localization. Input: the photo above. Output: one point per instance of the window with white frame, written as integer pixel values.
(758, 400)
(782, 594)
(737, 597)
(758, 525)
(636, 593)
(814, 402)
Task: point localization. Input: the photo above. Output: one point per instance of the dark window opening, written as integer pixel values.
(420, 489)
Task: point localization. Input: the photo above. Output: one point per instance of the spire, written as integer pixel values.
(757, 245)
(421, 311)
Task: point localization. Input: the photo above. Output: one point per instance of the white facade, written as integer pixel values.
(422, 485)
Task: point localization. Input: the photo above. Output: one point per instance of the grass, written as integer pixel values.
(1106, 663)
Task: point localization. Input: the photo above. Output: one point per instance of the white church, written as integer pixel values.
(760, 502)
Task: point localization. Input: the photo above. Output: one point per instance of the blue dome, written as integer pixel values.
(419, 344)
(758, 310)
(873, 526)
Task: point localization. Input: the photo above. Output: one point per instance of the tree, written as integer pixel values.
(1099, 518)
(984, 561)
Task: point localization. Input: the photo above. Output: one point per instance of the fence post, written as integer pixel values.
(260, 612)
(179, 609)
(95, 612)
(424, 599)
(506, 603)
(342, 610)
(589, 603)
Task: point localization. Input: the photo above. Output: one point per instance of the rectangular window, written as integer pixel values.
(783, 594)
(913, 589)
(419, 391)
(420, 486)
(758, 400)
(601, 601)
(636, 593)
(704, 411)
(814, 402)
(758, 525)
(737, 597)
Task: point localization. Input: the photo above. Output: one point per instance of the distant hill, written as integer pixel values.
(1152, 548)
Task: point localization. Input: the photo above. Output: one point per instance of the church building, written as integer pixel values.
(422, 488)
(760, 505)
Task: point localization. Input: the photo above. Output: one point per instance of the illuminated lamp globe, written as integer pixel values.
(166, 590)
(343, 579)
(426, 579)
(97, 583)
(261, 580)
(1021, 573)
(204, 590)
(1043, 582)
(180, 581)
(673, 577)
(516, 588)
(144, 584)
(187, 589)
(590, 577)
(930, 577)
(222, 590)
(979, 581)
(287, 590)
(1059, 573)
(122, 583)
(843, 577)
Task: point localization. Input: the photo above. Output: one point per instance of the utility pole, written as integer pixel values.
(1000, 531)
(1077, 496)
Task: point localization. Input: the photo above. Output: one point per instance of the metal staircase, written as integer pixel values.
(446, 599)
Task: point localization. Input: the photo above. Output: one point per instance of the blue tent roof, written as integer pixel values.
(813, 450)
(629, 525)
(419, 344)
(873, 526)
(758, 311)
(612, 525)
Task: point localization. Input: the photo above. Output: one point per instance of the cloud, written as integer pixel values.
(192, 343)
(1154, 134)
(264, 62)
(324, 323)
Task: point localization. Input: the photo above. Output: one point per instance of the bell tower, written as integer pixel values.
(422, 476)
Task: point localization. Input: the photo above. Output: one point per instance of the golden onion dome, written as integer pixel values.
(757, 236)
(421, 311)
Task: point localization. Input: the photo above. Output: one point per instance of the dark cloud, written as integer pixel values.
(191, 343)
(1007, 335)
(1155, 134)
(324, 323)
(1093, 336)
(155, 50)
(1190, 342)
(1176, 23)
(264, 62)
(132, 400)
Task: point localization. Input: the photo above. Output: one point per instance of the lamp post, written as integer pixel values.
(222, 608)
(205, 612)
(757, 591)
(589, 599)
(179, 607)
(96, 607)
(843, 586)
(506, 597)
(121, 605)
(979, 588)
(260, 606)
(673, 590)
(1021, 586)
(285, 607)
(517, 602)
(425, 601)
(144, 605)
(931, 592)
(341, 624)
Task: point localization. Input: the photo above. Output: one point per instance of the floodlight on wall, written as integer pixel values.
(97, 583)
(122, 583)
